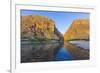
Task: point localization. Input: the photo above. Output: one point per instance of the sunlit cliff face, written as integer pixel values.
(39, 26)
(79, 29)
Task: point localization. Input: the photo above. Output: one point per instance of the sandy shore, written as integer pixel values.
(81, 43)
(77, 52)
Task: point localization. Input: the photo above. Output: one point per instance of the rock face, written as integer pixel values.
(78, 30)
(34, 26)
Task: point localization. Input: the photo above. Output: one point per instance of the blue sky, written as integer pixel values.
(62, 20)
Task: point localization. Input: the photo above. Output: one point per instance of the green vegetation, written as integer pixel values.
(39, 40)
(77, 39)
(43, 40)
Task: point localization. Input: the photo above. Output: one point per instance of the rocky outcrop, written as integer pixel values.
(34, 26)
(78, 30)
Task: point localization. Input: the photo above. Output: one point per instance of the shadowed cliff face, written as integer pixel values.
(78, 30)
(39, 27)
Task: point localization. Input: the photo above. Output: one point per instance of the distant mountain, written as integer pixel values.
(78, 30)
(39, 27)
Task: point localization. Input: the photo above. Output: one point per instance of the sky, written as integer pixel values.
(63, 20)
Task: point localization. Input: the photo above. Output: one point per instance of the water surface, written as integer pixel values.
(36, 52)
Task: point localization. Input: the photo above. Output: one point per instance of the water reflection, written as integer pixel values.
(62, 55)
(51, 52)
(77, 52)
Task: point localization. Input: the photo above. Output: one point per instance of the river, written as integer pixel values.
(44, 52)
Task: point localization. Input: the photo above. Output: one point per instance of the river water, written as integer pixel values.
(45, 52)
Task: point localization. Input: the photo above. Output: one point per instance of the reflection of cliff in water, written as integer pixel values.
(39, 52)
(78, 53)
(52, 52)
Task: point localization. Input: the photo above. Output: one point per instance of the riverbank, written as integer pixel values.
(78, 53)
(26, 41)
(81, 43)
